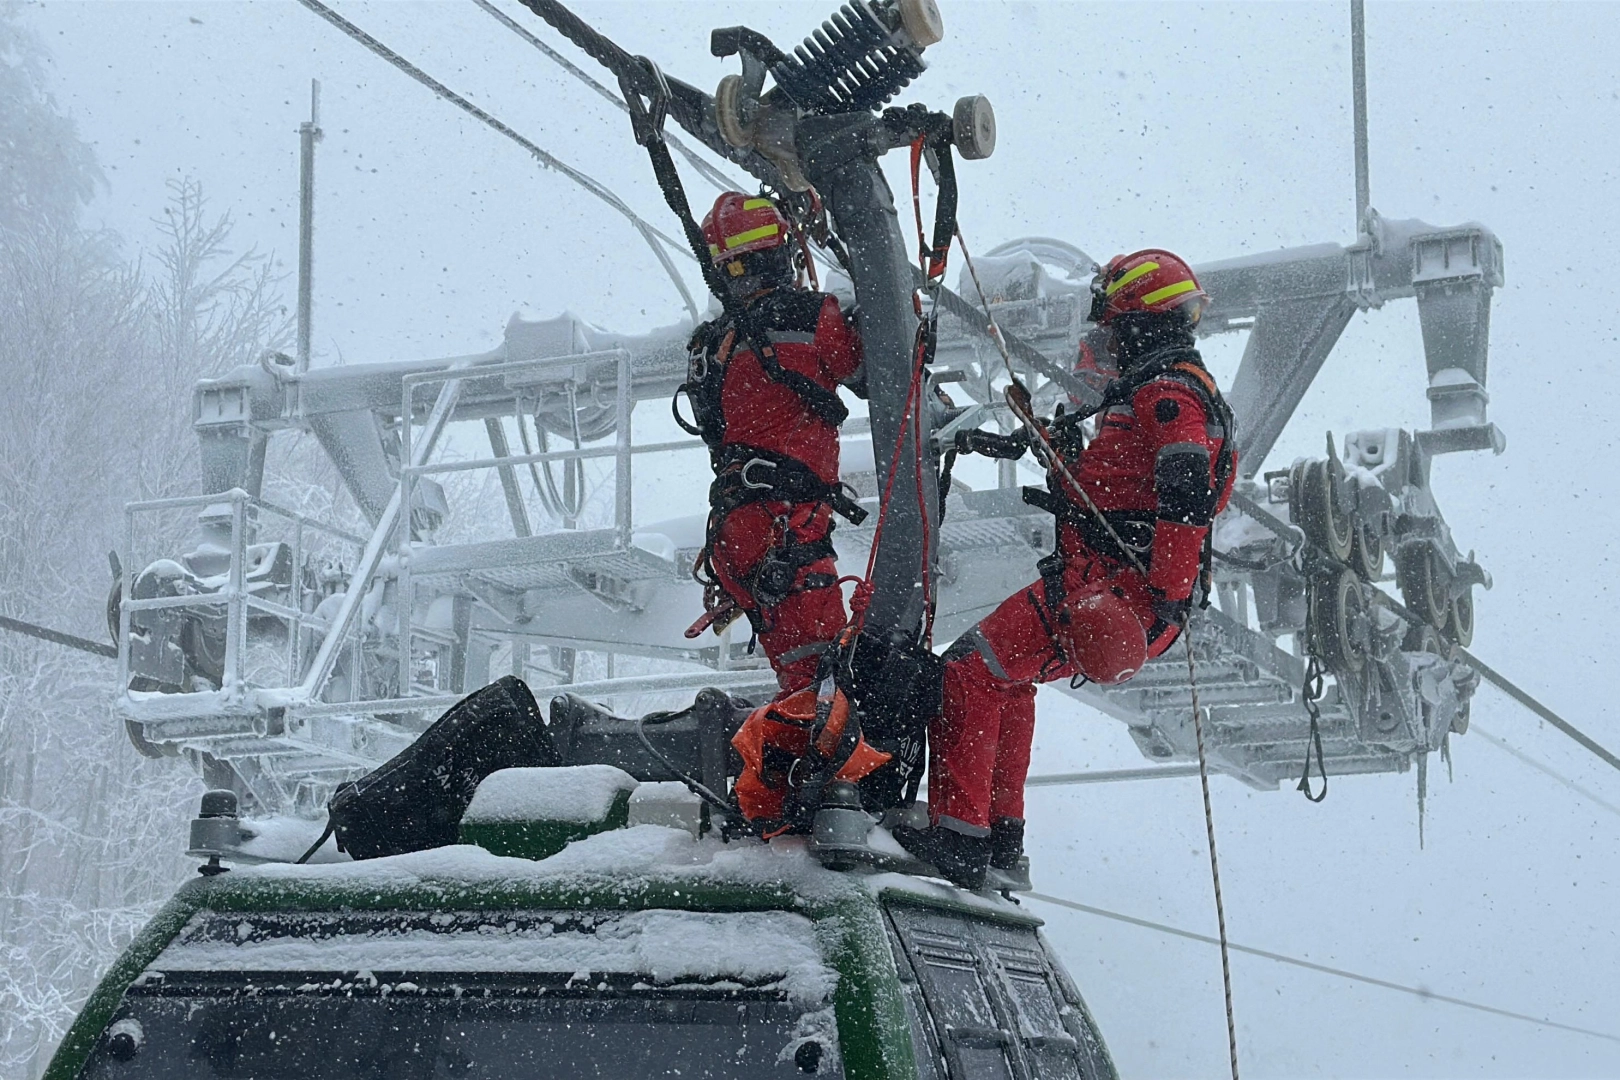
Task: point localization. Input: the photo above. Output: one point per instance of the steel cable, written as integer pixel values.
(648, 232)
(1543, 768)
(1308, 965)
(1280, 528)
(710, 173)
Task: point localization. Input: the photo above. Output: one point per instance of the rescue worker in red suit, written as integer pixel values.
(763, 391)
(1159, 468)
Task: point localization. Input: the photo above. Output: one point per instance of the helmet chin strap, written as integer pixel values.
(754, 286)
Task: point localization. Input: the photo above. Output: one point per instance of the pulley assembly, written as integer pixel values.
(856, 62)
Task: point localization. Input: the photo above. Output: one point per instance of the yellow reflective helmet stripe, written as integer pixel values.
(757, 204)
(1168, 291)
(714, 252)
(751, 235)
(1131, 275)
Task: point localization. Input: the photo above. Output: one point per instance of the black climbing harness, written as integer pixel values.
(742, 474)
(746, 474)
(714, 345)
(1126, 536)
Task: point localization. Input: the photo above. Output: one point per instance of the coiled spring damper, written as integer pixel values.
(862, 56)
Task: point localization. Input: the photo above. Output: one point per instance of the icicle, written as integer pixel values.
(1423, 791)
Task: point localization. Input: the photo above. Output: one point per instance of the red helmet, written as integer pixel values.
(740, 224)
(1149, 282)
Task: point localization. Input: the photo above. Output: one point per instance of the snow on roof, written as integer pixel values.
(574, 793)
(282, 838)
(619, 860)
(664, 946)
(608, 860)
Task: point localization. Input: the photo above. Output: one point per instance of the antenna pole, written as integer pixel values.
(1358, 83)
(308, 135)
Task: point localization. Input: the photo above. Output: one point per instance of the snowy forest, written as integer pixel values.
(101, 339)
(1452, 915)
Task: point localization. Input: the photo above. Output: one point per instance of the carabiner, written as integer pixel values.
(749, 464)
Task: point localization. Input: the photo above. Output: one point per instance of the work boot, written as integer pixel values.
(961, 859)
(1006, 842)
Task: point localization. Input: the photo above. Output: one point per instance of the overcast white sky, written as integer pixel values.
(1213, 130)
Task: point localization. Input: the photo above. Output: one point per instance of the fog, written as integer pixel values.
(1214, 130)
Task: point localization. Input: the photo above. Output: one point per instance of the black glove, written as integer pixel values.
(1174, 612)
(992, 444)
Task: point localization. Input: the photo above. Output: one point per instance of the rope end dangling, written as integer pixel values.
(1214, 859)
(1310, 694)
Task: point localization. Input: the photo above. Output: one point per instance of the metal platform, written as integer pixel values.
(293, 667)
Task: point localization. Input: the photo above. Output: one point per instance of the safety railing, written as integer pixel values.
(396, 534)
(252, 523)
(339, 659)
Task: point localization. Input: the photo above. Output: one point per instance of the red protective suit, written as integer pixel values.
(1152, 470)
(768, 426)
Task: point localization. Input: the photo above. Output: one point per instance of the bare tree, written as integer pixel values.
(208, 309)
(98, 359)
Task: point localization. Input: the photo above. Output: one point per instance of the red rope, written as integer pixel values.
(916, 201)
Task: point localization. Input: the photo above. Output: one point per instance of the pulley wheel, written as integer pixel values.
(1319, 514)
(922, 22)
(728, 112)
(1342, 624)
(1368, 555)
(1424, 639)
(1421, 582)
(1460, 618)
(973, 127)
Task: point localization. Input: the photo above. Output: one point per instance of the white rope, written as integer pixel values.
(1214, 861)
(1020, 410)
(1019, 403)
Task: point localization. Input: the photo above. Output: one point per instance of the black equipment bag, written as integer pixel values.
(415, 800)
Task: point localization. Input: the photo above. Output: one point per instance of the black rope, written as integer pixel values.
(696, 787)
(1310, 694)
(331, 827)
(56, 637)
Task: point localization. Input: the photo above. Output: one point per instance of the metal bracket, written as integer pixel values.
(646, 114)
